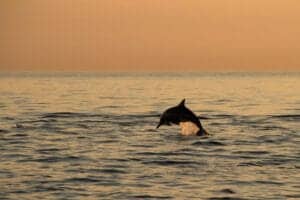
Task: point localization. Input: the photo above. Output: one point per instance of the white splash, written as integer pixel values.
(188, 128)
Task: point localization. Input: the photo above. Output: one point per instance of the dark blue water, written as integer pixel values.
(93, 136)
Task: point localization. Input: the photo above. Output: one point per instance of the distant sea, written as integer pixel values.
(93, 136)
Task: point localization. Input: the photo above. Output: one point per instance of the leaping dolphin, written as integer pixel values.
(185, 118)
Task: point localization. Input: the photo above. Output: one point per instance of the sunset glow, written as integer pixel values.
(156, 35)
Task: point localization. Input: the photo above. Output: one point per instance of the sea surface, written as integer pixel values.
(93, 136)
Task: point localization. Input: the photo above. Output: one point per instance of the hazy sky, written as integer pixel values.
(209, 35)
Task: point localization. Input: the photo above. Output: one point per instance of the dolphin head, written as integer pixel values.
(170, 115)
(162, 121)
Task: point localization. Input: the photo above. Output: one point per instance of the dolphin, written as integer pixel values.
(185, 118)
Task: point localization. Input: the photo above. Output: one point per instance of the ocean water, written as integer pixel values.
(93, 136)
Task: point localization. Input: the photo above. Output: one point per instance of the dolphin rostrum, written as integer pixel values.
(185, 118)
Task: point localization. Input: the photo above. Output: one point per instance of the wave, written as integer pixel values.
(150, 197)
(4, 131)
(171, 162)
(83, 119)
(208, 143)
(91, 115)
(287, 117)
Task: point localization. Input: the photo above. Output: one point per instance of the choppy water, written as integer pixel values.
(93, 136)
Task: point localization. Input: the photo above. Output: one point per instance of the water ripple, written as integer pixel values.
(60, 139)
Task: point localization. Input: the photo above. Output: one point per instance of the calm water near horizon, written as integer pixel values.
(93, 136)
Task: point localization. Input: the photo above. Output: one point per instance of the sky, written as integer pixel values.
(150, 35)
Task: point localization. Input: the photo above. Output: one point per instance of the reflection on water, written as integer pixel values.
(93, 136)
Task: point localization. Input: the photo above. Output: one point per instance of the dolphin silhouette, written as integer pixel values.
(185, 118)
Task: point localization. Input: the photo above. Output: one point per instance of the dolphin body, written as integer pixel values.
(185, 118)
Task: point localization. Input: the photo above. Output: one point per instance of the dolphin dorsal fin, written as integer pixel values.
(182, 103)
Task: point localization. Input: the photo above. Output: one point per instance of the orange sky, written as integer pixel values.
(121, 35)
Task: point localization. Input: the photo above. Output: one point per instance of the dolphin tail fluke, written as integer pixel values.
(205, 132)
(202, 132)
